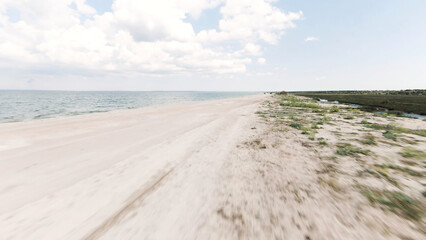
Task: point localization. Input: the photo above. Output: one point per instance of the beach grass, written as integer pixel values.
(396, 202)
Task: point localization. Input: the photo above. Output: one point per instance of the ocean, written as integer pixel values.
(18, 105)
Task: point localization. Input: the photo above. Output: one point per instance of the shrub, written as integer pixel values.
(334, 109)
(295, 125)
(389, 135)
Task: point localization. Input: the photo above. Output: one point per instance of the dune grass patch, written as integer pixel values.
(389, 135)
(334, 109)
(396, 202)
(314, 125)
(396, 129)
(401, 169)
(347, 149)
(409, 152)
(368, 140)
(380, 173)
(323, 120)
(295, 125)
(409, 141)
(300, 105)
(292, 101)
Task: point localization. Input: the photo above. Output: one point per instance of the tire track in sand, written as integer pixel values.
(132, 204)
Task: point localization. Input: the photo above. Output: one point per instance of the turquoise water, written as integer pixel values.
(25, 105)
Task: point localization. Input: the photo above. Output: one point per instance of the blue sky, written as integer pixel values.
(363, 44)
(210, 45)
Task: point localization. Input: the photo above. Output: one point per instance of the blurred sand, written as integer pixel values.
(85, 176)
(207, 170)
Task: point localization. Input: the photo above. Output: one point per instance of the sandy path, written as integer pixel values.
(147, 173)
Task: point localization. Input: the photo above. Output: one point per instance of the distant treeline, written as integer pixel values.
(412, 101)
(372, 92)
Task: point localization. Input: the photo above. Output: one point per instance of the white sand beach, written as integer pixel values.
(84, 176)
(237, 168)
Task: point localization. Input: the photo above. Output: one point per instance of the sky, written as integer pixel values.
(212, 45)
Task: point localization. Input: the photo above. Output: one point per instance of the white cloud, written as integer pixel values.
(249, 49)
(250, 20)
(320, 78)
(280, 69)
(264, 73)
(311, 39)
(261, 60)
(156, 20)
(140, 37)
(194, 8)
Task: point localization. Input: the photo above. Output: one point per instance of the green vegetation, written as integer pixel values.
(295, 125)
(322, 142)
(334, 109)
(395, 129)
(397, 202)
(368, 140)
(292, 101)
(323, 120)
(384, 173)
(389, 135)
(399, 168)
(306, 116)
(412, 153)
(411, 142)
(320, 111)
(300, 104)
(347, 149)
(378, 114)
(408, 101)
(411, 92)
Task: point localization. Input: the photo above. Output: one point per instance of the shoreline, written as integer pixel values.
(155, 106)
(136, 100)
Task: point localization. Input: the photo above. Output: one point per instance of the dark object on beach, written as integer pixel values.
(282, 93)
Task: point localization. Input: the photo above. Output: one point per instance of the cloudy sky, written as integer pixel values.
(241, 45)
